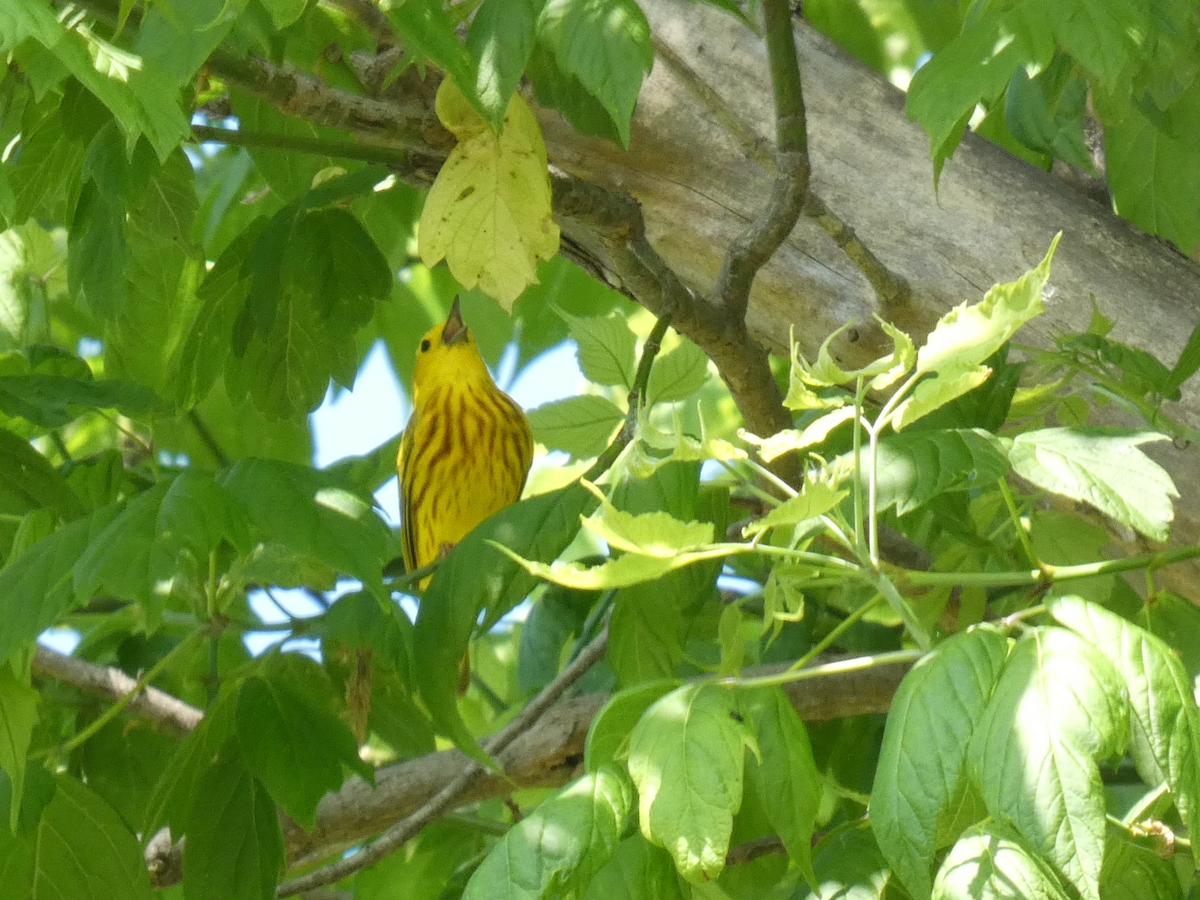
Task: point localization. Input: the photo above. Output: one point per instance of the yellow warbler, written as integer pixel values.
(466, 450)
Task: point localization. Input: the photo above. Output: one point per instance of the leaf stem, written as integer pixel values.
(1015, 514)
(840, 667)
(1049, 574)
(842, 627)
(142, 681)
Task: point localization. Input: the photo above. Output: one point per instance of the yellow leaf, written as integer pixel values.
(488, 212)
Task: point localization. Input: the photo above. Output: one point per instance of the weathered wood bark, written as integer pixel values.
(699, 165)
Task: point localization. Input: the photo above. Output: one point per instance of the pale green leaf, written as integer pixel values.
(685, 757)
(488, 213)
(500, 40)
(790, 440)
(558, 848)
(848, 866)
(1104, 468)
(1059, 706)
(816, 499)
(950, 383)
(582, 426)
(968, 334)
(648, 534)
(921, 767)
(991, 863)
(1164, 721)
(645, 632)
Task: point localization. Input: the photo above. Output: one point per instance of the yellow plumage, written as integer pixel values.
(466, 449)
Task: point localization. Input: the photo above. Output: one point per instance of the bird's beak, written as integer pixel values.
(454, 330)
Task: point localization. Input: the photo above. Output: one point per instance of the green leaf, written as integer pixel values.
(637, 870)
(430, 862)
(500, 40)
(1164, 723)
(921, 772)
(313, 514)
(608, 735)
(123, 761)
(426, 29)
(1151, 174)
(1185, 367)
(234, 848)
(1046, 113)
(992, 863)
(560, 90)
(644, 632)
(789, 784)
(18, 715)
(79, 849)
(558, 848)
(975, 66)
(1176, 621)
(141, 99)
(677, 375)
(277, 720)
(1134, 872)
(554, 619)
(915, 467)
(179, 35)
(496, 190)
(196, 517)
(52, 401)
(178, 788)
(1103, 467)
(685, 757)
(474, 577)
(97, 251)
(605, 346)
(848, 865)
(37, 586)
(1061, 702)
(332, 258)
(582, 426)
(117, 560)
(606, 45)
(28, 481)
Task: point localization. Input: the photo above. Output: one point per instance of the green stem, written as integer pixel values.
(1014, 513)
(1049, 574)
(629, 430)
(904, 610)
(113, 711)
(769, 476)
(859, 503)
(841, 667)
(841, 628)
(316, 146)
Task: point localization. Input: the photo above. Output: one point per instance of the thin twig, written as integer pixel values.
(396, 836)
(752, 850)
(220, 457)
(762, 238)
(158, 707)
(891, 288)
(640, 380)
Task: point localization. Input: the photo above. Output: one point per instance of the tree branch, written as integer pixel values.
(548, 754)
(758, 243)
(159, 708)
(399, 834)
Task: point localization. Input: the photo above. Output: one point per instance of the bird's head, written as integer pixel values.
(447, 355)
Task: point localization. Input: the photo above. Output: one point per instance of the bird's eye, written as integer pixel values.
(424, 345)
